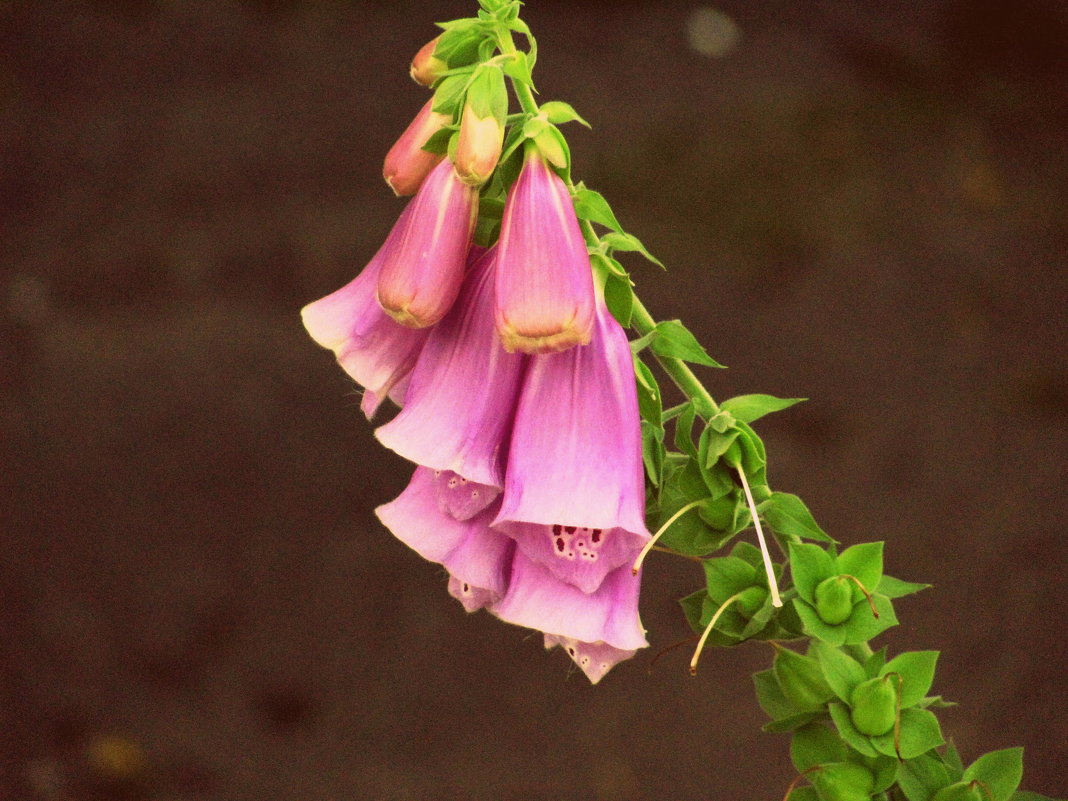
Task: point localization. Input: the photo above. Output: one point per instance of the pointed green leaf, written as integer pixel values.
(848, 732)
(752, 407)
(674, 340)
(863, 625)
(727, 575)
(920, 733)
(619, 297)
(618, 240)
(684, 430)
(842, 671)
(920, 778)
(770, 696)
(560, 112)
(864, 562)
(653, 452)
(917, 669)
(788, 515)
(692, 606)
(809, 564)
(814, 626)
(1000, 771)
(815, 744)
(801, 679)
(592, 206)
(649, 404)
(896, 588)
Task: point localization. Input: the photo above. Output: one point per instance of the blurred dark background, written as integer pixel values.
(861, 203)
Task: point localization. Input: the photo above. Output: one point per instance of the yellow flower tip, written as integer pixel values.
(513, 341)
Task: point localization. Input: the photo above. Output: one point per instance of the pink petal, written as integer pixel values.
(407, 164)
(538, 600)
(545, 295)
(459, 405)
(575, 461)
(376, 351)
(595, 659)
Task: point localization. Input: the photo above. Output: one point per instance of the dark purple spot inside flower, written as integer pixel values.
(556, 529)
(570, 529)
(560, 544)
(595, 535)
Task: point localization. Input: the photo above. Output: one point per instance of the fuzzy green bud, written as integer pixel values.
(834, 600)
(843, 781)
(961, 791)
(874, 706)
(750, 600)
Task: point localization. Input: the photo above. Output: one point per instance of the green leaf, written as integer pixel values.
(592, 206)
(801, 680)
(674, 340)
(690, 534)
(619, 297)
(788, 515)
(842, 671)
(896, 588)
(487, 94)
(684, 430)
(560, 112)
(653, 452)
(449, 93)
(534, 126)
(439, 140)
(803, 794)
(649, 403)
(917, 669)
(920, 778)
(848, 732)
(920, 733)
(789, 724)
(727, 575)
(712, 445)
(752, 407)
(809, 564)
(519, 67)
(770, 696)
(864, 562)
(1026, 795)
(863, 625)
(618, 240)
(875, 663)
(951, 758)
(693, 606)
(815, 627)
(815, 744)
(1000, 771)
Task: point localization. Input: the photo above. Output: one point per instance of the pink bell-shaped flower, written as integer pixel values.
(421, 276)
(407, 164)
(545, 295)
(574, 492)
(597, 629)
(459, 406)
(376, 351)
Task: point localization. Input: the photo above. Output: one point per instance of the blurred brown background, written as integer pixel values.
(861, 203)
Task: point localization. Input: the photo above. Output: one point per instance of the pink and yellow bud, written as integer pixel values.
(478, 148)
(407, 164)
(425, 67)
(422, 276)
(545, 294)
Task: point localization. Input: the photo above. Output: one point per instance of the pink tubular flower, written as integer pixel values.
(574, 492)
(407, 164)
(425, 68)
(376, 351)
(421, 276)
(545, 296)
(459, 405)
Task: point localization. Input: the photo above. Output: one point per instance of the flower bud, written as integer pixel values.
(407, 164)
(545, 295)
(421, 277)
(834, 600)
(751, 599)
(478, 148)
(874, 706)
(843, 781)
(425, 67)
(961, 791)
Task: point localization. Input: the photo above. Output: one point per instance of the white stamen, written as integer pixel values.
(772, 585)
(708, 630)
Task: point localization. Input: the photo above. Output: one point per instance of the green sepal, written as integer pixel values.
(842, 672)
(449, 92)
(791, 723)
(816, 744)
(560, 112)
(814, 626)
(921, 777)
(809, 564)
(726, 576)
(487, 95)
(801, 679)
(770, 695)
(712, 444)
(848, 732)
(749, 408)
(1000, 771)
(650, 406)
(952, 760)
(693, 608)
(439, 140)
(787, 514)
(684, 430)
(674, 340)
(803, 794)
(875, 662)
(690, 534)
(618, 240)
(653, 452)
(520, 67)
(920, 733)
(916, 669)
(864, 562)
(554, 148)
(863, 625)
(592, 206)
(458, 46)
(896, 588)
(1027, 795)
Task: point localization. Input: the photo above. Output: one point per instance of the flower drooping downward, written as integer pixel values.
(407, 164)
(545, 296)
(421, 276)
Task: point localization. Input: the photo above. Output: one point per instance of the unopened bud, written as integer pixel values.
(478, 148)
(874, 706)
(844, 781)
(750, 600)
(425, 67)
(834, 600)
(407, 164)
